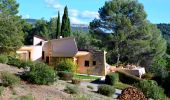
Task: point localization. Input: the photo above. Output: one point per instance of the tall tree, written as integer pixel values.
(125, 33)
(58, 26)
(65, 27)
(9, 7)
(11, 34)
(52, 27)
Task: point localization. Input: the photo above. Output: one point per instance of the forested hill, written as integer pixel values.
(74, 27)
(165, 29)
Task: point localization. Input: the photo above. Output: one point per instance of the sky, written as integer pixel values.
(84, 11)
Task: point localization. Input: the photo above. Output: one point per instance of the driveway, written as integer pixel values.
(95, 85)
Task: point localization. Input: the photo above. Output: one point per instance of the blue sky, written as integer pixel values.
(84, 11)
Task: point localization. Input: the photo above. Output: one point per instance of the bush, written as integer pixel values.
(71, 89)
(16, 62)
(63, 75)
(76, 81)
(41, 74)
(128, 78)
(166, 84)
(9, 79)
(151, 89)
(147, 76)
(106, 90)
(26, 97)
(112, 78)
(66, 65)
(3, 59)
(1, 90)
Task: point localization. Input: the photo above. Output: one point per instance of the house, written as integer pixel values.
(52, 51)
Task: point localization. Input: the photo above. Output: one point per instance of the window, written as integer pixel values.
(94, 63)
(86, 63)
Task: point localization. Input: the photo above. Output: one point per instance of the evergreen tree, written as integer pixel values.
(65, 27)
(58, 26)
(11, 34)
(9, 7)
(126, 34)
(52, 27)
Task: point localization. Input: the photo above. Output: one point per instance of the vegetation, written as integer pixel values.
(16, 62)
(1, 90)
(128, 78)
(125, 33)
(85, 77)
(106, 90)
(41, 74)
(58, 26)
(90, 87)
(64, 75)
(112, 78)
(65, 26)
(76, 81)
(147, 76)
(9, 79)
(151, 90)
(120, 85)
(3, 58)
(66, 65)
(11, 27)
(72, 89)
(166, 84)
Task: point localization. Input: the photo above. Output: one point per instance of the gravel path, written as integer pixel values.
(11, 69)
(85, 84)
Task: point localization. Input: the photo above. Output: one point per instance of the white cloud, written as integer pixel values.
(76, 16)
(74, 12)
(54, 4)
(89, 14)
(26, 16)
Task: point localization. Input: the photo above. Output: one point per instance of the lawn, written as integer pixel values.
(121, 85)
(85, 77)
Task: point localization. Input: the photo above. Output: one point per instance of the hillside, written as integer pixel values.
(26, 91)
(74, 27)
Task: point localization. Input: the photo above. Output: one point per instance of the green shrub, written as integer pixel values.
(151, 89)
(3, 58)
(41, 74)
(26, 97)
(71, 89)
(90, 87)
(9, 79)
(106, 90)
(147, 76)
(16, 62)
(63, 75)
(1, 90)
(166, 84)
(66, 65)
(127, 78)
(76, 81)
(81, 97)
(112, 79)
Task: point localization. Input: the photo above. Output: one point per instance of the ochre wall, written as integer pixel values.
(98, 69)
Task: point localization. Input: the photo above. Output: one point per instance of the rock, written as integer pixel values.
(131, 93)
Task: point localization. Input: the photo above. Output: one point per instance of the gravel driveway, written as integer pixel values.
(95, 85)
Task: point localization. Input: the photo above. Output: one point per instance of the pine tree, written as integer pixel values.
(125, 33)
(58, 26)
(65, 27)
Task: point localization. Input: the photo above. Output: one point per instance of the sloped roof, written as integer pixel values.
(64, 47)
